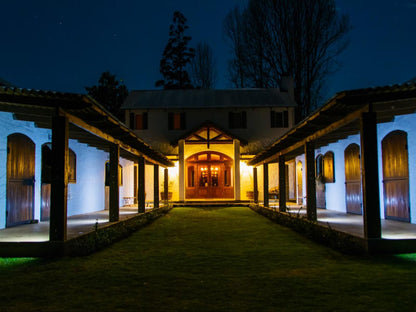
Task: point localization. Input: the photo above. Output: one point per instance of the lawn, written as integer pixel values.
(211, 259)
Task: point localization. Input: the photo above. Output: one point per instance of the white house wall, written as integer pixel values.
(405, 123)
(335, 192)
(39, 136)
(301, 158)
(88, 193)
(126, 191)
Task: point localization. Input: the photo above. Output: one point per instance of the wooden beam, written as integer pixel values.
(155, 186)
(310, 181)
(114, 183)
(59, 185)
(266, 185)
(369, 165)
(141, 191)
(282, 183)
(255, 187)
(166, 185)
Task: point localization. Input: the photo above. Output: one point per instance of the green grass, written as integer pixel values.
(211, 259)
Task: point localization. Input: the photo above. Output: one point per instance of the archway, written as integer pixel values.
(320, 183)
(20, 179)
(353, 179)
(209, 175)
(299, 180)
(396, 176)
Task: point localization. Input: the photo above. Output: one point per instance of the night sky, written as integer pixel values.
(64, 45)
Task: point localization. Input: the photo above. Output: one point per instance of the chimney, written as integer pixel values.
(287, 84)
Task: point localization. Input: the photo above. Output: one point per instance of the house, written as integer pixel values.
(210, 134)
(355, 155)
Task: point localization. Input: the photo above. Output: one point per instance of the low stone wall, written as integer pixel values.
(86, 243)
(104, 236)
(320, 233)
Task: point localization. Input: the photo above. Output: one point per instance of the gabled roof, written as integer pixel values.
(207, 98)
(40, 106)
(208, 133)
(339, 118)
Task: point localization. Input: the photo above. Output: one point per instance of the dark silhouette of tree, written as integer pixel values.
(109, 93)
(202, 68)
(275, 38)
(176, 56)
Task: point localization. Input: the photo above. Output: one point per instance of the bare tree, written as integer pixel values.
(300, 38)
(202, 68)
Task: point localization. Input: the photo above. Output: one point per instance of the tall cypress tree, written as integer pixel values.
(176, 56)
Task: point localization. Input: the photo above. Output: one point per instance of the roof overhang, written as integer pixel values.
(340, 118)
(90, 123)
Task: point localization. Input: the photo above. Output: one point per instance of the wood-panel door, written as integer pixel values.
(353, 179)
(320, 183)
(396, 176)
(20, 179)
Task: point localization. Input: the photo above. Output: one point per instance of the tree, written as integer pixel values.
(109, 93)
(202, 68)
(176, 56)
(300, 38)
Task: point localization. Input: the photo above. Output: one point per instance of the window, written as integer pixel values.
(329, 176)
(176, 121)
(237, 120)
(279, 119)
(191, 176)
(138, 121)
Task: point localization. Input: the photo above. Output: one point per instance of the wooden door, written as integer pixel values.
(299, 182)
(396, 176)
(46, 177)
(320, 183)
(353, 179)
(20, 179)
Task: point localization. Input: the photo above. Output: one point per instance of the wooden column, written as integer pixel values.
(141, 190)
(155, 186)
(310, 181)
(266, 185)
(370, 179)
(113, 183)
(282, 183)
(237, 188)
(59, 185)
(181, 152)
(255, 187)
(166, 185)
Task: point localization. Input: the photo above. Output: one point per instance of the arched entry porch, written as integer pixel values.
(209, 175)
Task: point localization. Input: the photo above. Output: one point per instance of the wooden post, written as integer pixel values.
(370, 180)
(266, 185)
(310, 181)
(59, 185)
(282, 183)
(155, 186)
(237, 188)
(166, 185)
(255, 187)
(113, 183)
(141, 190)
(181, 151)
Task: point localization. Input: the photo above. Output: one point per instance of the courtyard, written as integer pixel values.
(211, 259)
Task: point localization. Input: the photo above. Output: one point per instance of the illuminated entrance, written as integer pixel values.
(209, 176)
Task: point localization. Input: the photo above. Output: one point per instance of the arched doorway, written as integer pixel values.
(299, 170)
(320, 184)
(209, 175)
(396, 176)
(20, 179)
(46, 178)
(353, 179)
